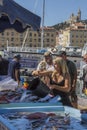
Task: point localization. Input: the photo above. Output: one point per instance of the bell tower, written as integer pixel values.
(79, 14)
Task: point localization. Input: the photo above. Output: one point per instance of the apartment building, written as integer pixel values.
(75, 35)
(28, 38)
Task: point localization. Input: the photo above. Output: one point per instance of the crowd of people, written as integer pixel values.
(10, 68)
(59, 74)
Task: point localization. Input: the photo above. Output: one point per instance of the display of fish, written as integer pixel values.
(22, 95)
(37, 120)
(43, 121)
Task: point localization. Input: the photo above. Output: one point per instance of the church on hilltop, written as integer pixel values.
(75, 18)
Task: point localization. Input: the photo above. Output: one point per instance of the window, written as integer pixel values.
(7, 33)
(35, 40)
(35, 35)
(39, 40)
(21, 39)
(30, 45)
(76, 35)
(39, 34)
(47, 40)
(52, 40)
(12, 44)
(52, 35)
(30, 34)
(47, 34)
(12, 33)
(21, 35)
(12, 39)
(30, 40)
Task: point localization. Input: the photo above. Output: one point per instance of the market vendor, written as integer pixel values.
(14, 68)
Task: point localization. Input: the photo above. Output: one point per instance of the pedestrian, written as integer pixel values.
(14, 68)
(3, 67)
(85, 73)
(73, 75)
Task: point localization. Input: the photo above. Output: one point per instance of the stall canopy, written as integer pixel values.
(13, 15)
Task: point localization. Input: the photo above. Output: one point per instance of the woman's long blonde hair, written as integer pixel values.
(62, 65)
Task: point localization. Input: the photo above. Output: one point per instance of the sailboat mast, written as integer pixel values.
(42, 33)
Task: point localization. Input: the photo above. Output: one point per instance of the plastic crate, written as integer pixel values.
(26, 107)
(5, 125)
(36, 107)
(31, 107)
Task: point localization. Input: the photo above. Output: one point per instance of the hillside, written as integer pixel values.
(62, 25)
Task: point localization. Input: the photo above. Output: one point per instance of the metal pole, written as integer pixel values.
(24, 39)
(42, 30)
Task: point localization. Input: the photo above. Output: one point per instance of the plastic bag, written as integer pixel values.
(8, 84)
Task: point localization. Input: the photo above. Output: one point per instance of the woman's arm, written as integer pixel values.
(65, 88)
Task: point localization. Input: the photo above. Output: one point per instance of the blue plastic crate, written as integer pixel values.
(26, 107)
(38, 107)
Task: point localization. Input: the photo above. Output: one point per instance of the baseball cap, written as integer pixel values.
(17, 56)
(48, 53)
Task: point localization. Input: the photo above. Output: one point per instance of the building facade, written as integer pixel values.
(75, 35)
(28, 38)
(75, 18)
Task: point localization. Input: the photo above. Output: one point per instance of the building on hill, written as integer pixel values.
(75, 35)
(75, 18)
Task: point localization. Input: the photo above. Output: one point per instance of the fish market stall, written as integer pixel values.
(20, 109)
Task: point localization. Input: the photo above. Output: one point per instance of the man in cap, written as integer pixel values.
(48, 59)
(14, 68)
(73, 75)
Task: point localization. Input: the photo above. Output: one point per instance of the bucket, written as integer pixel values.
(41, 90)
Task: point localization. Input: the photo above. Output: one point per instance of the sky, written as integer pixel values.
(56, 11)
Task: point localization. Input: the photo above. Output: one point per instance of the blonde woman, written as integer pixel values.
(60, 81)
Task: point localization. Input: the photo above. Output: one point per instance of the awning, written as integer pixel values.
(15, 13)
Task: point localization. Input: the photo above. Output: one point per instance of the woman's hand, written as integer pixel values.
(47, 80)
(51, 86)
(35, 73)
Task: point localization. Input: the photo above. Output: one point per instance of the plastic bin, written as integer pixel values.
(38, 107)
(5, 125)
(26, 107)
